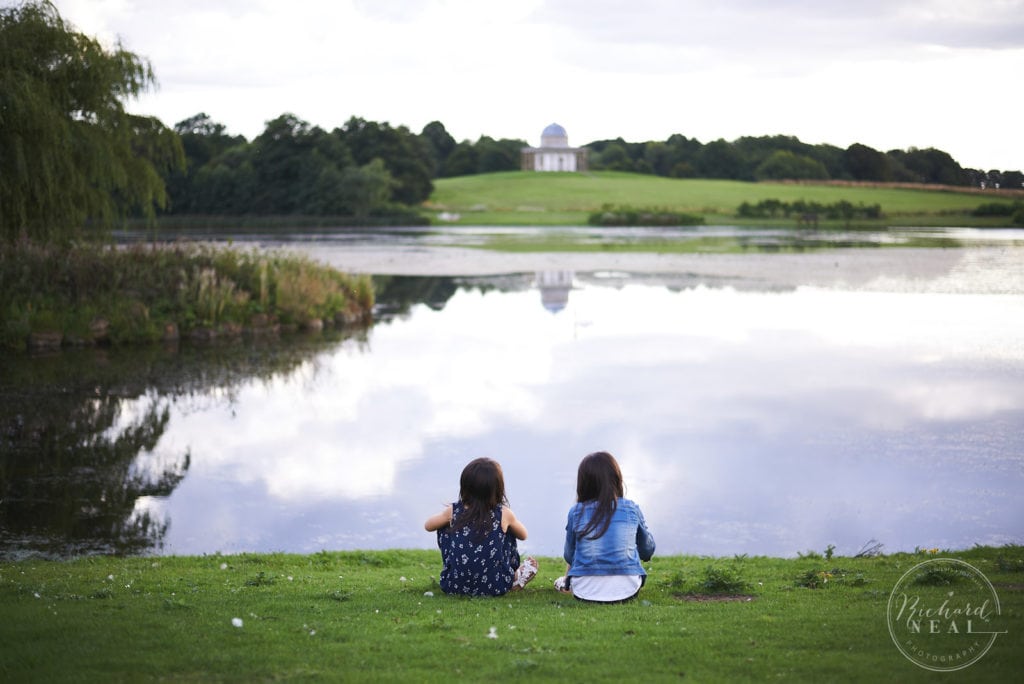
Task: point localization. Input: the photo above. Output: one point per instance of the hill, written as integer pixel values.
(523, 198)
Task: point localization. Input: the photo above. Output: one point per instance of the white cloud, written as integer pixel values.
(890, 74)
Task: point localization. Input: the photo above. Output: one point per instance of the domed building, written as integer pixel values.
(554, 153)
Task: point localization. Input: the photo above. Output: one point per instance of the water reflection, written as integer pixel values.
(85, 448)
(746, 420)
(554, 289)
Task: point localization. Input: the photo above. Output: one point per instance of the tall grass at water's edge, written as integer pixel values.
(143, 293)
(380, 616)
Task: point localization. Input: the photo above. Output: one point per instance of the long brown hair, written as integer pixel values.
(599, 479)
(481, 488)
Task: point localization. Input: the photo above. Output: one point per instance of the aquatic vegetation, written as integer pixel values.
(90, 294)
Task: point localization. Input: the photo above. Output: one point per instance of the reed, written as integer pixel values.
(91, 293)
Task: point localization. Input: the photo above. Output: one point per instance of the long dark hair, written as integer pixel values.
(599, 479)
(481, 488)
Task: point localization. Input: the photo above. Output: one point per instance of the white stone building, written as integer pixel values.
(554, 153)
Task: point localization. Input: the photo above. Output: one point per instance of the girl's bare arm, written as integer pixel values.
(509, 521)
(439, 520)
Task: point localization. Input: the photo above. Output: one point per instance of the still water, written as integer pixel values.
(758, 404)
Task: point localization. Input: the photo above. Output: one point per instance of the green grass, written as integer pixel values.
(141, 291)
(366, 616)
(521, 198)
(684, 243)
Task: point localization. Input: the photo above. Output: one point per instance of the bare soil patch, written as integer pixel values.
(715, 598)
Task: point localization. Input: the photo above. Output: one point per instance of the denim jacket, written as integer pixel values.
(617, 552)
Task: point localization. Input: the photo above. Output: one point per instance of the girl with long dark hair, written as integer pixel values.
(606, 536)
(477, 536)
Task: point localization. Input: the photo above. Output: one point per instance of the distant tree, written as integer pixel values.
(720, 159)
(498, 155)
(866, 163)
(406, 156)
(1012, 179)
(658, 157)
(831, 157)
(69, 152)
(783, 164)
(440, 143)
(683, 152)
(285, 166)
(352, 191)
(203, 140)
(463, 161)
(614, 157)
(931, 166)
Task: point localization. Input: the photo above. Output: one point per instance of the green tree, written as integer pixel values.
(867, 163)
(440, 144)
(406, 156)
(463, 161)
(783, 164)
(931, 166)
(614, 157)
(70, 154)
(498, 155)
(204, 141)
(720, 159)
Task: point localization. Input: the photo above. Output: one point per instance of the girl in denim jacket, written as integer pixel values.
(477, 536)
(606, 536)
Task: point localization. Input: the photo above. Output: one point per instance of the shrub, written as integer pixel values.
(630, 216)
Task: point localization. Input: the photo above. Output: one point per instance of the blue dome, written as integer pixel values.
(554, 131)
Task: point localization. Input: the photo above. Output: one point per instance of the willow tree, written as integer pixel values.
(71, 156)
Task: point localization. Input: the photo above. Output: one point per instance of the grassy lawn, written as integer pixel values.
(520, 198)
(379, 616)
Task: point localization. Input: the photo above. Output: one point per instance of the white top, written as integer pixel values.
(605, 587)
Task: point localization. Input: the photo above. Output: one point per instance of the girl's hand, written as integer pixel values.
(440, 520)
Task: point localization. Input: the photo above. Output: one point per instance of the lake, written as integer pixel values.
(776, 395)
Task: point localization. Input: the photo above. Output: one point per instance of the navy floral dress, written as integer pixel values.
(477, 564)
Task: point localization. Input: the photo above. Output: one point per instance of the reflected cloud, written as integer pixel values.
(744, 421)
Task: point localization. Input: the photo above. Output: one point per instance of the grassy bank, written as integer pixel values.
(519, 198)
(89, 294)
(379, 616)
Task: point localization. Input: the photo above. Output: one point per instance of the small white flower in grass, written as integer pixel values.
(402, 579)
(493, 634)
(290, 578)
(223, 566)
(312, 632)
(428, 593)
(36, 594)
(237, 622)
(110, 578)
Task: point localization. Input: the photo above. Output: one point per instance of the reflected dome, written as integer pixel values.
(554, 289)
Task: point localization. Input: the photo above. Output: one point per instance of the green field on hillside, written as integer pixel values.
(521, 198)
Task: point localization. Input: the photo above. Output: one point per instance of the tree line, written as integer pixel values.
(72, 157)
(361, 169)
(782, 157)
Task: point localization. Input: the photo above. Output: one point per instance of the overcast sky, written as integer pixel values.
(886, 73)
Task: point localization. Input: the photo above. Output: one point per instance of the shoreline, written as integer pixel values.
(965, 270)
